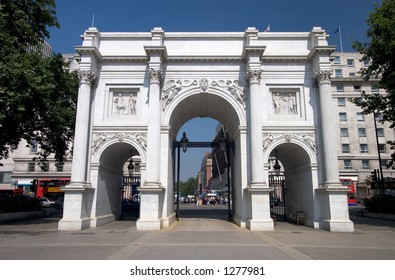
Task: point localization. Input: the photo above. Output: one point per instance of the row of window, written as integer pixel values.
(350, 61)
(361, 132)
(340, 88)
(363, 148)
(365, 163)
(32, 166)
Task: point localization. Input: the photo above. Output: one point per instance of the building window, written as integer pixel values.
(380, 132)
(59, 166)
(363, 148)
(338, 73)
(350, 62)
(33, 147)
(344, 132)
(384, 164)
(340, 88)
(343, 117)
(360, 117)
(382, 148)
(365, 164)
(347, 164)
(341, 101)
(378, 117)
(336, 60)
(31, 167)
(351, 74)
(361, 132)
(366, 63)
(374, 88)
(345, 148)
(357, 88)
(45, 167)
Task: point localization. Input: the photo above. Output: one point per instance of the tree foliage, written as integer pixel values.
(188, 187)
(37, 93)
(380, 51)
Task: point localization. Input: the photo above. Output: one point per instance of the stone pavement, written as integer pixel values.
(203, 233)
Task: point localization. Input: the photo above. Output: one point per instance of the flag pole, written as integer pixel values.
(341, 42)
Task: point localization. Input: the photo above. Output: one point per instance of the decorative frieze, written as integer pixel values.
(308, 138)
(124, 103)
(100, 138)
(172, 88)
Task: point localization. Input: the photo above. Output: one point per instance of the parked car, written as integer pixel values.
(45, 202)
(59, 203)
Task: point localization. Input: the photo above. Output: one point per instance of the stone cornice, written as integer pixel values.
(89, 50)
(247, 50)
(321, 49)
(149, 50)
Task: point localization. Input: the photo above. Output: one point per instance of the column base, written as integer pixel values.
(148, 225)
(74, 224)
(337, 226)
(263, 225)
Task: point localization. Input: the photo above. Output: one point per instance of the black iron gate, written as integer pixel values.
(130, 200)
(278, 197)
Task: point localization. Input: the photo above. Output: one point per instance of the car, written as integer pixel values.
(59, 203)
(45, 202)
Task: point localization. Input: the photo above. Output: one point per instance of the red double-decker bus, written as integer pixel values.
(351, 195)
(50, 187)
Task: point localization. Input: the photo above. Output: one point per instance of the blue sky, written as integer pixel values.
(75, 16)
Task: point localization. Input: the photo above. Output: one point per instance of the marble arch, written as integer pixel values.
(271, 89)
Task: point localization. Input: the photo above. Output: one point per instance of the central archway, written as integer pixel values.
(217, 104)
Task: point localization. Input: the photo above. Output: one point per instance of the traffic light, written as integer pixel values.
(374, 176)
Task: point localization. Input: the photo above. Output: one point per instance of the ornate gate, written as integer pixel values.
(130, 197)
(278, 197)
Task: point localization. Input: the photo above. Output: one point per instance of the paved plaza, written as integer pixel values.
(202, 233)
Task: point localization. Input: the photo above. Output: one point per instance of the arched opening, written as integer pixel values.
(220, 109)
(293, 186)
(112, 188)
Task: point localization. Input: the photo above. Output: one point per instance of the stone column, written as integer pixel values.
(151, 191)
(333, 196)
(328, 129)
(82, 128)
(258, 188)
(255, 130)
(153, 135)
(75, 216)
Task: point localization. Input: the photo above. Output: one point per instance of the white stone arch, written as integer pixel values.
(297, 155)
(203, 97)
(132, 142)
(218, 103)
(106, 170)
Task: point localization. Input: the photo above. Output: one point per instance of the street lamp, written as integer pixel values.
(277, 166)
(130, 168)
(184, 142)
(222, 144)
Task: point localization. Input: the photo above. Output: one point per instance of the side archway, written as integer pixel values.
(106, 177)
(300, 173)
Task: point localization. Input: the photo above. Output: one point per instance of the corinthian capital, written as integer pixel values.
(155, 75)
(323, 76)
(254, 76)
(87, 77)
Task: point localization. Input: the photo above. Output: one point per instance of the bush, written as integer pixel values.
(19, 203)
(380, 204)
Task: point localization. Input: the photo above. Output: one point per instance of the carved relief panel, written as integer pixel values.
(122, 101)
(286, 102)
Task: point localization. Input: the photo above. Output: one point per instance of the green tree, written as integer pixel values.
(188, 187)
(380, 52)
(37, 93)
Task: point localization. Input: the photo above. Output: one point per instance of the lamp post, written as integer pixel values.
(184, 145)
(380, 177)
(277, 166)
(184, 142)
(224, 147)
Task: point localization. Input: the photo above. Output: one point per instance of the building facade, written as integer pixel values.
(272, 92)
(359, 145)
